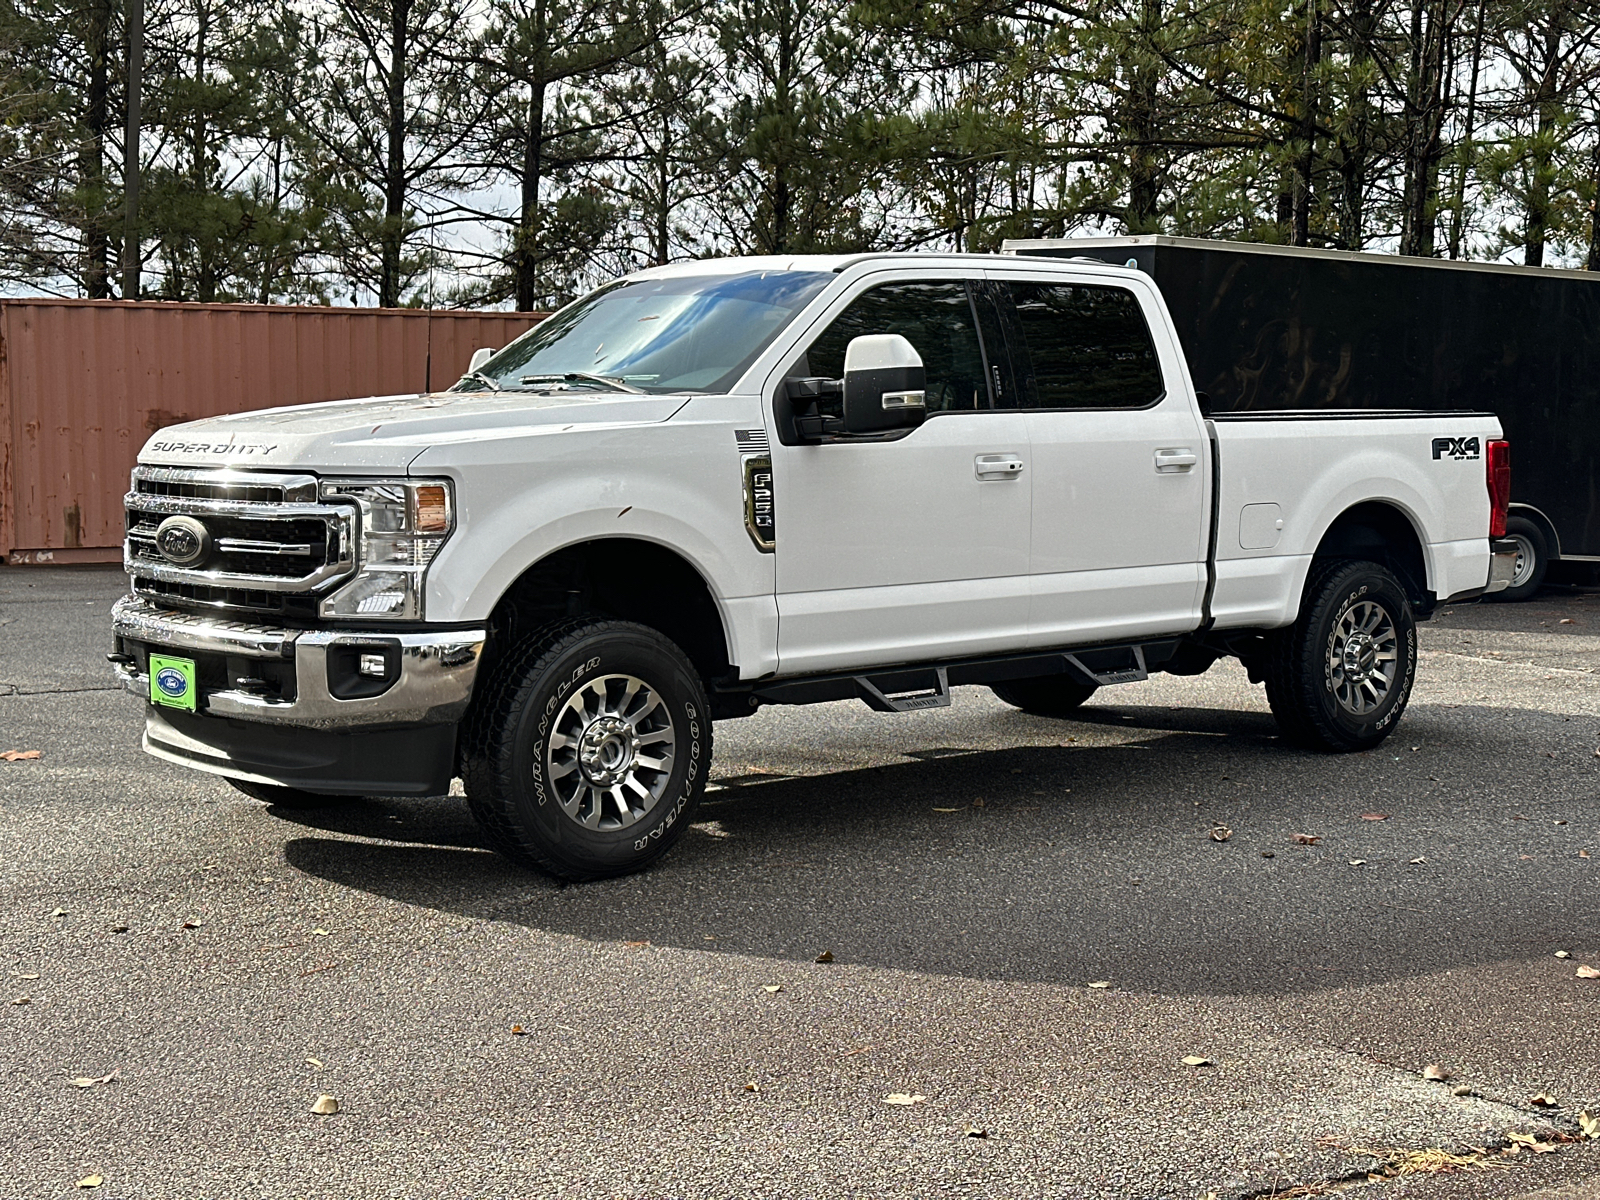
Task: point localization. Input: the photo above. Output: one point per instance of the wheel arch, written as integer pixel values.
(1546, 526)
(1381, 532)
(630, 578)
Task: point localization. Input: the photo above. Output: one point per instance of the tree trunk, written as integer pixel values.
(527, 243)
(1355, 138)
(1300, 234)
(199, 154)
(92, 153)
(133, 19)
(1144, 81)
(1458, 210)
(1540, 167)
(1594, 205)
(394, 175)
(1424, 129)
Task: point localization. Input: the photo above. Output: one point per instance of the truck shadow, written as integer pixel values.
(1067, 865)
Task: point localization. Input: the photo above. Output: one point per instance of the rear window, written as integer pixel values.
(1083, 347)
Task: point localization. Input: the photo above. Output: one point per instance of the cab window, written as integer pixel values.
(936, 318)
(1080, 346)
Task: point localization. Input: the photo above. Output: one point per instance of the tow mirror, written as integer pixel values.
(884, 384)
(480, 356)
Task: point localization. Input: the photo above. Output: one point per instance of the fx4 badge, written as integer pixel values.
(1456, 448)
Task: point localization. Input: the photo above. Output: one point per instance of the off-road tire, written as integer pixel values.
(512, 781)
(1307, 685)
(1534, 560)
(1045, 695)
(286, 797)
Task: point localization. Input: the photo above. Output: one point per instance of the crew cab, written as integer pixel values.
(718, 485)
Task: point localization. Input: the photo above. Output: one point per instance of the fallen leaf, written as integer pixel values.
(975, 1131)
(519, 1031)
(1461, 1089)
(825, 957)
(1220, 833)
(1358, 862)
(1533, 1143)
(750, 1087)
(60, 912)
(1434, 1073)
(1564, 621)
(28, 975)
(83, 1081)
(319, 933)
(1307, 839)
(1583, 854)
(771, 988)
(192, 924)
(1587, 972)
(903, 1098)
(91, 1181)
(1268, 854)
(21, 756)
(1562, 954)
(119, 929)
(325, 1106)
(1589, 1124)
(1375, 816)
(1101, 983)
(978, 803)
(1416, 862)
(315, 1062)
(947, 810)
(636, 945)
(22, 1000)
(1195, 1060)
(1544, 1100)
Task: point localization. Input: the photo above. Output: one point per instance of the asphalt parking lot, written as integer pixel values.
(205, 967)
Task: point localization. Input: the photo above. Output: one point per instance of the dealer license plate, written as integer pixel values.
(172, 682)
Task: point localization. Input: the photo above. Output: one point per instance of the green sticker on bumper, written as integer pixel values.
(172, 682)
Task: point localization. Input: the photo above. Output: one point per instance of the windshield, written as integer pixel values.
(694, 333)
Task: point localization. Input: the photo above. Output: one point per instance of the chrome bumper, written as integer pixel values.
(1502, 566)
(433, 687)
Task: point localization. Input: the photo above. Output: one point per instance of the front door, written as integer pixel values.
(912, 546)
(1119, 463)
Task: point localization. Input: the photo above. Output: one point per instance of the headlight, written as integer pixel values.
(403, 524)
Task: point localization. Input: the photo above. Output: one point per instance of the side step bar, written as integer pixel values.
(880, 700)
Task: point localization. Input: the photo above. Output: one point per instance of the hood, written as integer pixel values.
(384, 433)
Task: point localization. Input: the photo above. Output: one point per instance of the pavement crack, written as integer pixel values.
(10, 689)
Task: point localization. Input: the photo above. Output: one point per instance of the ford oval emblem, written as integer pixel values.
(171, 681)
(183, 541)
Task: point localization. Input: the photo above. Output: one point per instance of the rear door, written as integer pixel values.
(1120, 460)
(912, 545)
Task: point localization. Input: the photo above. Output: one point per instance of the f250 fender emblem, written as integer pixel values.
(1457, 448)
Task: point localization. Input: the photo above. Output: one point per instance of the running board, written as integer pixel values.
(1135, 672)
(937, 696)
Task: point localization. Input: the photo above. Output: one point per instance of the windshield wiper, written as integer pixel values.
(610, 381)
(480, 377)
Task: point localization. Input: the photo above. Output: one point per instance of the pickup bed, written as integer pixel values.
(723, 484)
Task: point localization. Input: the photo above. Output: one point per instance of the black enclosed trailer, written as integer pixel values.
(1282, 328)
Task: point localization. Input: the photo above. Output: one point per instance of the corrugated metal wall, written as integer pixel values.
(83, 383)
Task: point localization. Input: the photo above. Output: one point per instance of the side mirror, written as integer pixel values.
(884, 384)
(480, 356)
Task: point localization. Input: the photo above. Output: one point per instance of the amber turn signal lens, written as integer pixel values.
(432, 514)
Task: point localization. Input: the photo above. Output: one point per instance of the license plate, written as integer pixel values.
(172, 682)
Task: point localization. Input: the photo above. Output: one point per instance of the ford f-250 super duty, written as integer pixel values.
(717, 485)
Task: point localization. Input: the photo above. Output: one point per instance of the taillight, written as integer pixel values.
(1499, 487)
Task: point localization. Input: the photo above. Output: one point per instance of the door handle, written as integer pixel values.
(1169, 461)
(997, 466)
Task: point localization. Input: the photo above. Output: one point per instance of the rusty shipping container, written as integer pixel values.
(83, 383)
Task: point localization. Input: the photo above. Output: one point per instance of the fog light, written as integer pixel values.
(371, 665)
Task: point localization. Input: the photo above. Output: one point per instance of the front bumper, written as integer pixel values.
(1502, 565)
(433, 672)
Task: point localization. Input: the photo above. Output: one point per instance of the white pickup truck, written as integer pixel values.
(722, 484)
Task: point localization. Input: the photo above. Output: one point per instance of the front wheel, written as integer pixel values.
(1340, 676)
(585, 753)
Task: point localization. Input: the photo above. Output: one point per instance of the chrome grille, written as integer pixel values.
(269, 538)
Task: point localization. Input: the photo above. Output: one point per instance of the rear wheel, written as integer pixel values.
(1044, 695)
(1533, 560)
(586, 752)
(285, 797)
(1339, 678)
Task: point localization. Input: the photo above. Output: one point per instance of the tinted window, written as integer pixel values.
(693, 333)
(1082, 347)
(936, 318)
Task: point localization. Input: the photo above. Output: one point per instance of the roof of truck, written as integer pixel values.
(822, 262)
